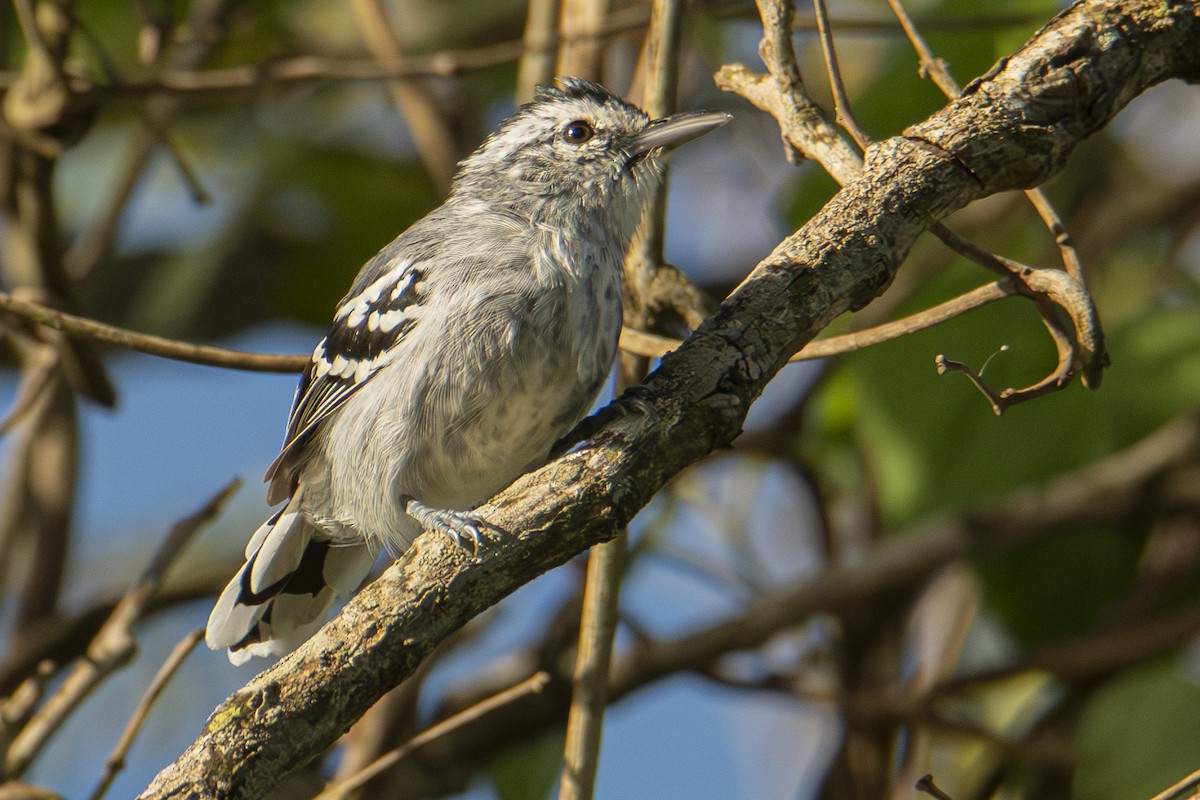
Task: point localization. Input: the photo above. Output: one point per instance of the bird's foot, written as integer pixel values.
(459, 526)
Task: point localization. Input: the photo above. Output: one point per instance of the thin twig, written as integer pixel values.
(945, 365)
(38, 369)
(932, 66)
(1062, 237)
(841, 101)
(589, 687)
(531, 685)
(113, 645)
(655, 346)
(207, 355)
(1186, 789)
(116, 760)
(160, 134)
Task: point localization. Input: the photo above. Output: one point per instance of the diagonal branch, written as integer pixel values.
(1013, 128)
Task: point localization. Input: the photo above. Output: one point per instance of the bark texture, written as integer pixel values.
(1012, 128)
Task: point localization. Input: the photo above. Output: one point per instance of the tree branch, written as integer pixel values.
(1013, 128)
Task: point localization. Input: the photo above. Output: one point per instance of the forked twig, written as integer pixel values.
(805, 127)
(1079, 353)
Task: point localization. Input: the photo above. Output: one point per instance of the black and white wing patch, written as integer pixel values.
(367, 330)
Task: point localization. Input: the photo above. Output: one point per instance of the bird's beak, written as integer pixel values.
(676, 129)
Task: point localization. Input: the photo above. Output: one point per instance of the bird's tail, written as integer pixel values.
(280, 596)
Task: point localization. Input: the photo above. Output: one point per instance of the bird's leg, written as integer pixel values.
(459, 526)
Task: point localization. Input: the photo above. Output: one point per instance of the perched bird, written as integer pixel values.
(464, 350)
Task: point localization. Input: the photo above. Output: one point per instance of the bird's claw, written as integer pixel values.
(459, 526)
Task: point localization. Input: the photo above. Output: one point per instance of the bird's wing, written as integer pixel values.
(367, 330)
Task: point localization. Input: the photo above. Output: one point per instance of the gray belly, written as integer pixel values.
(451, 438)
(477, 456)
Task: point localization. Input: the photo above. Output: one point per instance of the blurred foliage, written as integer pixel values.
(530, 771)
(1139, 733)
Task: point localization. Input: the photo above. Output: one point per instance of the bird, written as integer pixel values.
(464, 350)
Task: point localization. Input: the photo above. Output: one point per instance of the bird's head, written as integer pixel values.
(579, 144)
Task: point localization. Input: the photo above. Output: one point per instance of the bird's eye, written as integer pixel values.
(578, 132)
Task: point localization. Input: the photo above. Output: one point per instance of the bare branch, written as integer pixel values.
(148, 343)
(589, 687)
(659, 70)
(632, 341)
